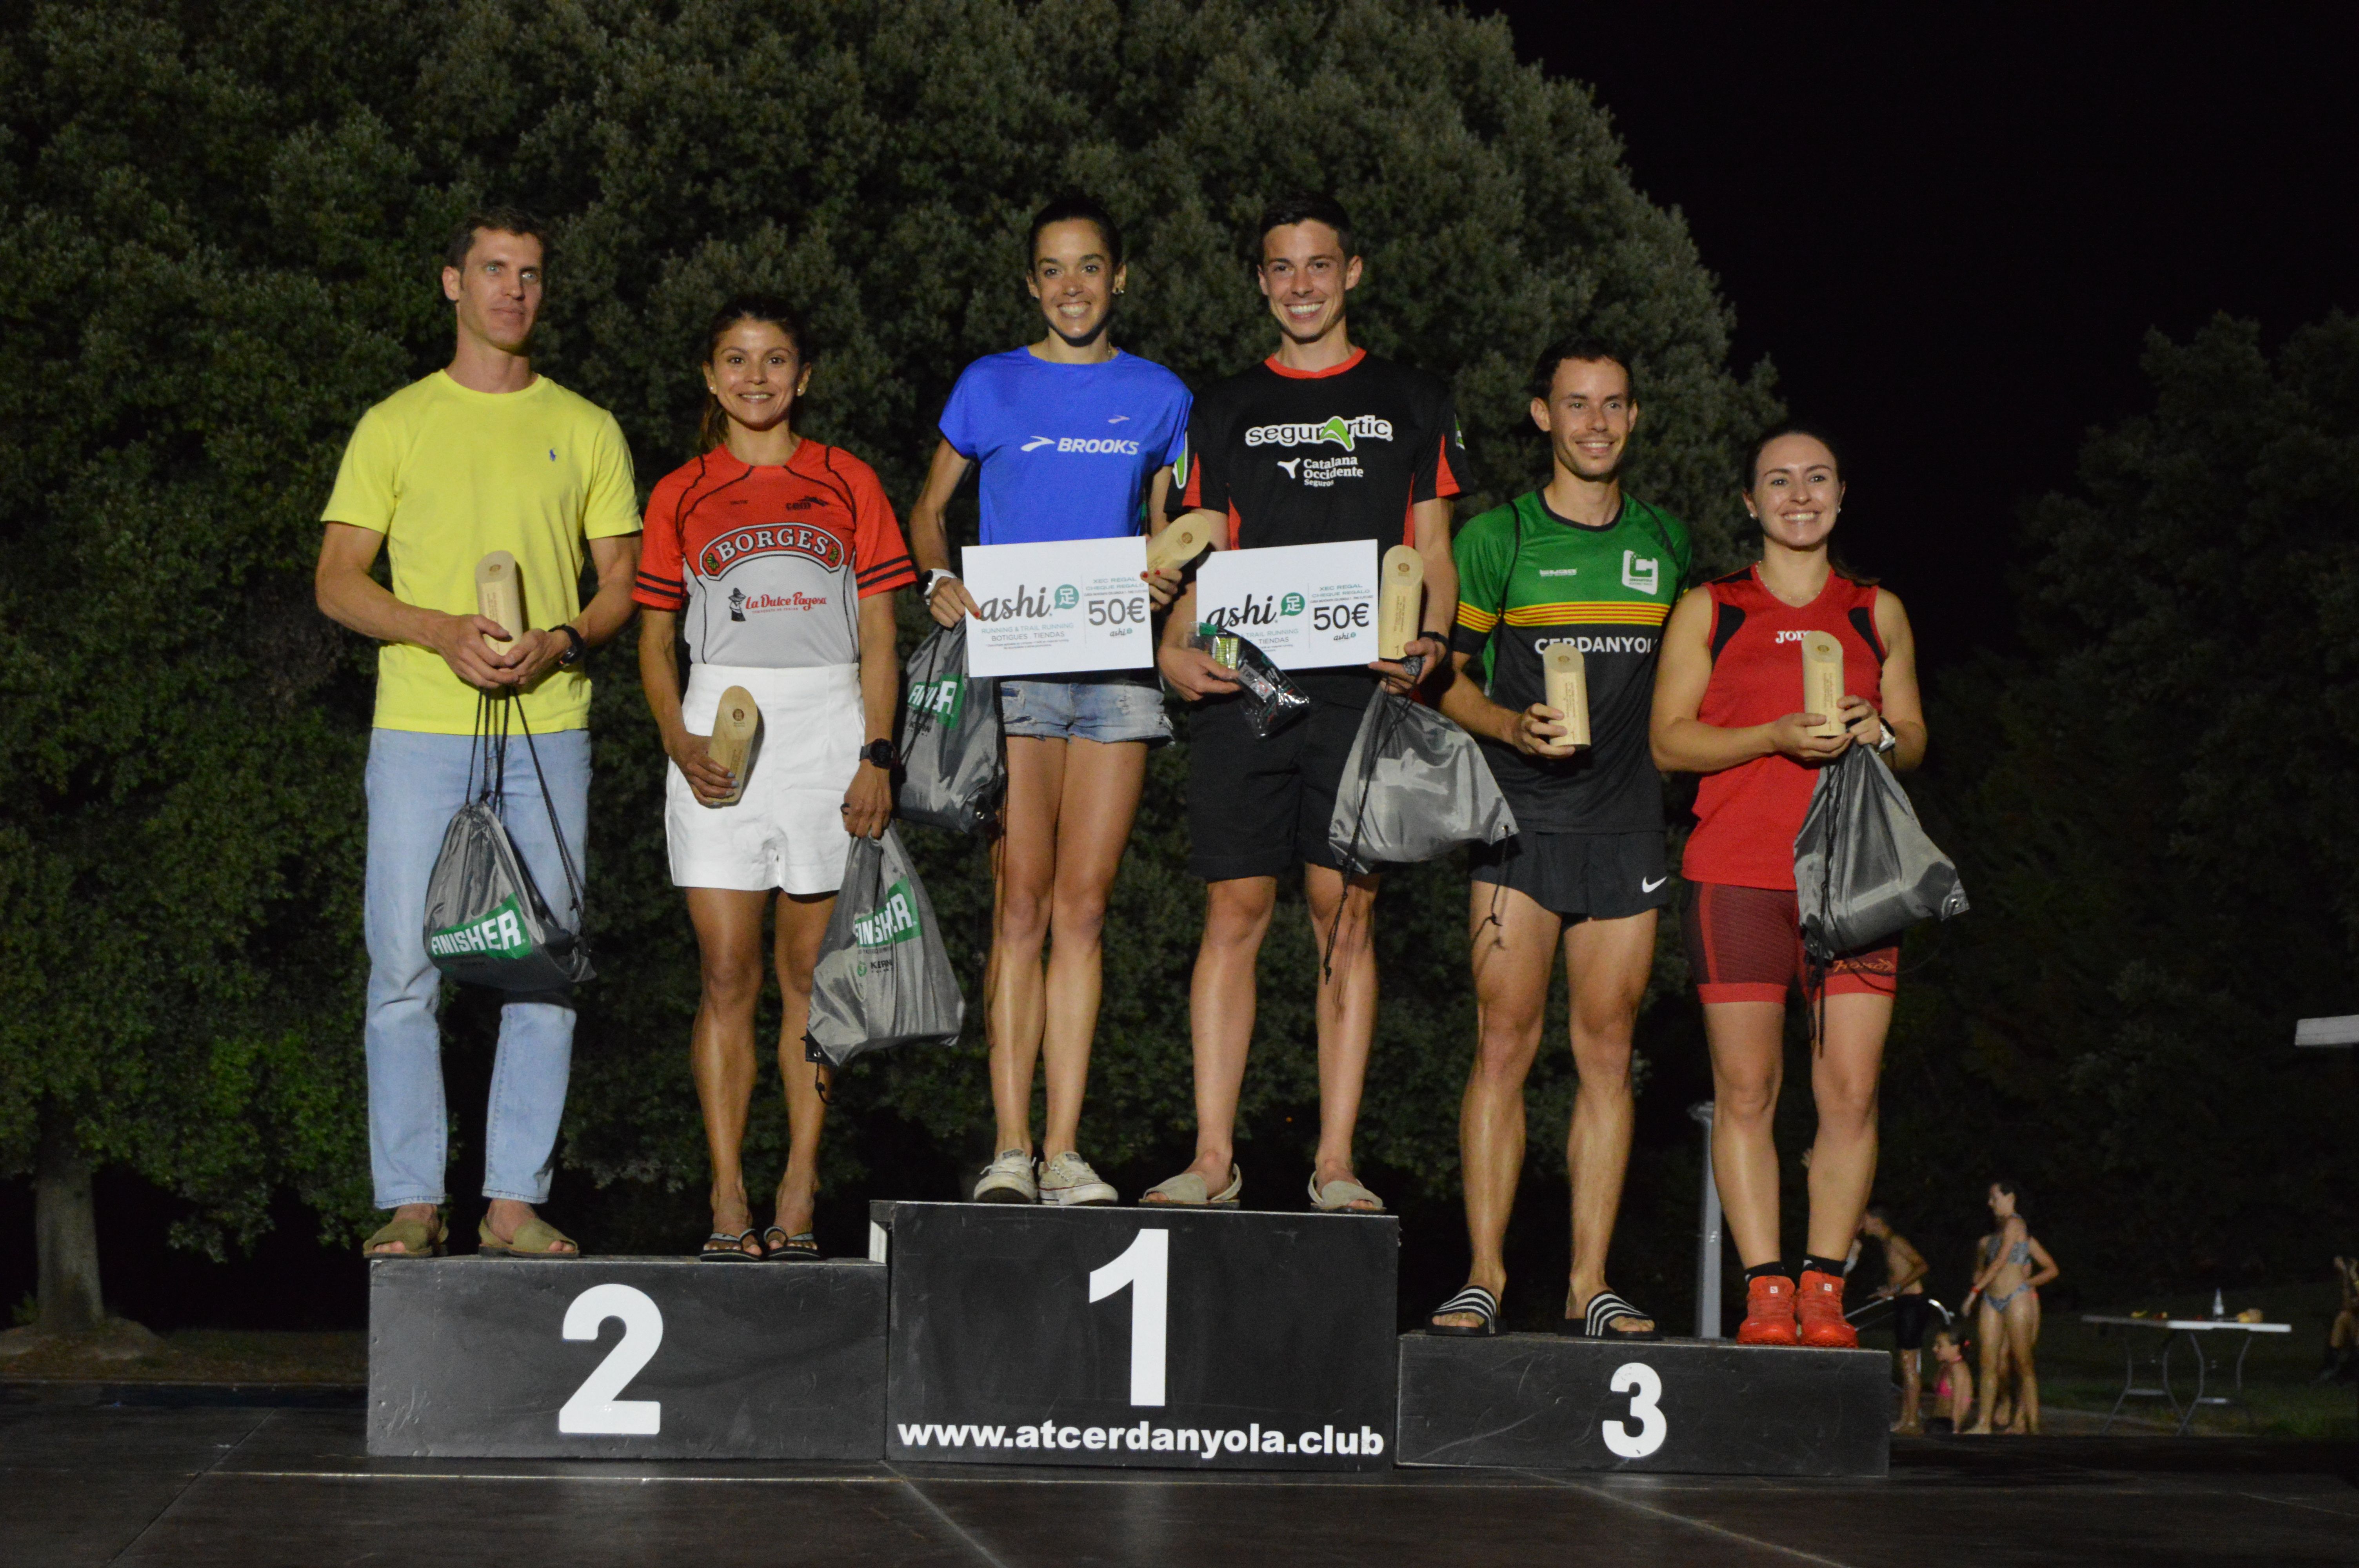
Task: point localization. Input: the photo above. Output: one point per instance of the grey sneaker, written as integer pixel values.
(1008, 1179)
(1067, 1179)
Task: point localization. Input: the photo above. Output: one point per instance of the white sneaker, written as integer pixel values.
(1067, 1179)
(1008, 1179)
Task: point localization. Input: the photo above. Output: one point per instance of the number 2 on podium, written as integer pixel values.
(1144, 1267)
(594, 1409)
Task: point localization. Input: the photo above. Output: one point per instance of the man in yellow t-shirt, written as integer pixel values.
(481, 456)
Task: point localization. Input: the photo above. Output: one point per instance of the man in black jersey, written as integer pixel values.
(1319, 444)
(1576, 562)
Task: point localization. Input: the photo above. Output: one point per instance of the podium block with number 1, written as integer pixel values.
(1141, 1336)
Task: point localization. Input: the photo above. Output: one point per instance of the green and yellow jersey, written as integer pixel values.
(1528, 579)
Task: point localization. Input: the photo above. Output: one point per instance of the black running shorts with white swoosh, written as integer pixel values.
(1579, 876)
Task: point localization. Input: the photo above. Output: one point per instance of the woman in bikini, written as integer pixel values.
(1953, 1389)
(2009, 1288)
(1724, 707)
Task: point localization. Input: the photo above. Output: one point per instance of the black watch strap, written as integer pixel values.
(880, 754)
(581, 644)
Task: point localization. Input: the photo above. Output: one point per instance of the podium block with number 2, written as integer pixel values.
(1141, 1336)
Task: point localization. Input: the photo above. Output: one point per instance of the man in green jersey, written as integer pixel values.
(1577, 563)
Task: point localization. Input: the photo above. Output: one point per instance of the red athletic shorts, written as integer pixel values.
(1745, 945)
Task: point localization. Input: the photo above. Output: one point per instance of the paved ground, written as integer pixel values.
(258, 1488)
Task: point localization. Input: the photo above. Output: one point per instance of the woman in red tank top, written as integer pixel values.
(1726, 700)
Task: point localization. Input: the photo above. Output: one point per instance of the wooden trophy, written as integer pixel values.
(499, 596)
(1822, 682)
(1400, 601)
(1566, 674)
(1178, 544)
(734, 725)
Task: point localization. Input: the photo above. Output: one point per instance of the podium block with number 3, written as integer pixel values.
(1141, 1336)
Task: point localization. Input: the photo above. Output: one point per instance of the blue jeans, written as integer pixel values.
(416, 783)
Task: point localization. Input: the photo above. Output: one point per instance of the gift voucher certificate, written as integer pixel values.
(1068, 606)
(1306, 606)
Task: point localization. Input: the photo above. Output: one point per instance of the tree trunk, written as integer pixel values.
(66, 1230)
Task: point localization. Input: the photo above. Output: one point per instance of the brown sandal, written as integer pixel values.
(536, 1237)
(416, 1238)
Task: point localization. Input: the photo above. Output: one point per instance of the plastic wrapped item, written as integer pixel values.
(1272, 699)
(884, 977)
(953, 771)
(486, 924)
(1864, 869)
(1415, 786)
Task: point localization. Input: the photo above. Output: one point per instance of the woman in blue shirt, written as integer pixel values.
(1076, 441)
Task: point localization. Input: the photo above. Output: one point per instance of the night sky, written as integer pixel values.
(1951, 231)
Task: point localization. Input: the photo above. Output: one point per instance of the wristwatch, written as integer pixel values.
(880, 754)
(580, 645)
(934, 579)
(1891, 737)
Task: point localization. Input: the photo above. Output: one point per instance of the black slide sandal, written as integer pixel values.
(1606, 1308)
(722, 1248)
(1473, 1298)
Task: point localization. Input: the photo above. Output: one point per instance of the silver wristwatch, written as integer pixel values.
(1891, 737)
(934, 579)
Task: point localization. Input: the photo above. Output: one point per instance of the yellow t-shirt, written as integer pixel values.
(449, 475)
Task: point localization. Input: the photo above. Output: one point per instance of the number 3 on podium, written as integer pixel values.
(1645, 1388)
(1144, 1267)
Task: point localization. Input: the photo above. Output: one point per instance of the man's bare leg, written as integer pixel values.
(1512, 956)
(1341, 911)
(1606, 963)
(1912, 1372)
(1220, 999)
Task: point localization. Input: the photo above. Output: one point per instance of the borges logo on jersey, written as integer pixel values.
(790, 538)
(1342, 432)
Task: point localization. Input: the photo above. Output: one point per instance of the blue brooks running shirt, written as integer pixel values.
(1067, 450)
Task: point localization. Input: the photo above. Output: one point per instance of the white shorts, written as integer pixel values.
(787, 828)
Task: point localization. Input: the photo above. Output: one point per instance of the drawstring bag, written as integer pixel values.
(1415, 786)
(884, 977)
(1272, 699)
(1864, 869)
(952, 771)
(486, 924)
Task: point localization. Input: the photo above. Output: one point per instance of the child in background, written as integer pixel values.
(1954, 1387)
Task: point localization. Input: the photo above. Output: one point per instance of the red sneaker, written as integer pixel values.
(1820, 1307)
(1769, 1311)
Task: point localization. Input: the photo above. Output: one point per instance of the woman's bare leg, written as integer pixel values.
(1101, 785)
(1991, 1330)
(803, 924)
(2023, 1338)
(1844, 1077)
(721, 1043)
(1024, 871)
(1748, 1063)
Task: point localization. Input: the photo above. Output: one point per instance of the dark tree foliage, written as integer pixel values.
(2154, 814)
(220, 225)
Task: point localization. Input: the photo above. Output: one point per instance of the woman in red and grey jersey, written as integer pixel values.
(777, 557)
(1724, 700)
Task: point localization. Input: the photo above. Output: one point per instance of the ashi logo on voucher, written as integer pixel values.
(1259, 610)
(790, 538)
(1029, 603)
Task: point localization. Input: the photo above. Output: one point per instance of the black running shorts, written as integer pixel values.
(1579, 876)
(1910, 1315)
(1255, 806)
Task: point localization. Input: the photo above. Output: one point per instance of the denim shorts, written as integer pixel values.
(1104, 707)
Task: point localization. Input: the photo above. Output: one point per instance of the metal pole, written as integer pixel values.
(1707, 1243)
